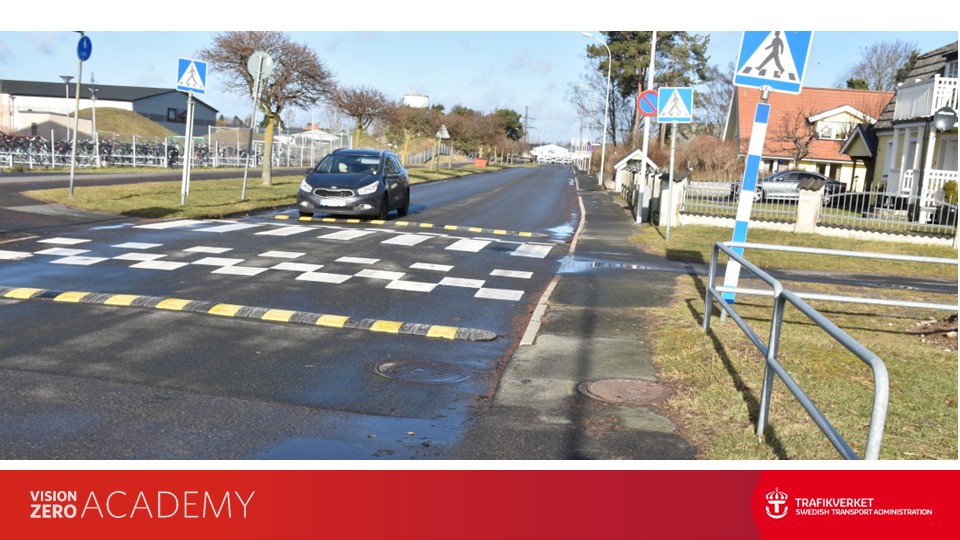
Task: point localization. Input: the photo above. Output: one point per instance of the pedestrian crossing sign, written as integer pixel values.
(774, 59)
(675, 105)
(191, 76)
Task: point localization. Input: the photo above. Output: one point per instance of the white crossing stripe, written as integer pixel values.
(357, 260)
(63, 241)
(240, 270)
(218, 261)
(230, 227)
(512, 274)
(62, 252)
(460, 282)
(139, 256)
(346, 234)
(169, 224)
(14, 255)
(159, 265)
(499, 294)
(282, 254)
(407, 239)
(135, 245)
(79, 260)
(323, 277)
(286, 231)
(297, 267)
(467, 244)
(380, 274)
(430, 266)
(537, 251)
(208, 249)
(416, 286)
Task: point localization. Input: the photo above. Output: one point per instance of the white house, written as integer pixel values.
(552, 153)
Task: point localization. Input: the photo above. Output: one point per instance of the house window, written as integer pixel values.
(950, 70)
(177, 115)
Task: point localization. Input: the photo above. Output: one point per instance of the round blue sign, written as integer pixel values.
(84, 48)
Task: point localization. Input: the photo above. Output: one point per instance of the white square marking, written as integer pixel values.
(512, 274)
(499, 294)
(466, 244)
(63, 241)
(135, 245)
(79, 261)
(537, 251)
(218, 261)
(62, 252)
(286, 231)
(159, 265)
(139, 256)
(323, 277)
(357, 260)
(14, 255)
(416, 286)
(407, 239)
(346, 234)
(240, 270)
(430, 266)
(460, 282)
(297, 267)
(379, 274)
(230, 227)
(282, 254)
(208, 249)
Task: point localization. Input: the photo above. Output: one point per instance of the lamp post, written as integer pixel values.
(66, 86)
(343, 132)
(606, 109)
(96, 137)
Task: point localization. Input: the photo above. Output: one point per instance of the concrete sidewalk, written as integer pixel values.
(583, 389)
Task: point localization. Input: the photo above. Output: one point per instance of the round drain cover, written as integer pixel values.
(625, 391)
(423, 371)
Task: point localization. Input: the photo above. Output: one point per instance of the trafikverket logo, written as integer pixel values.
(778, 500)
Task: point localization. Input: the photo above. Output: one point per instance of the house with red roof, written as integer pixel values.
(807, 130)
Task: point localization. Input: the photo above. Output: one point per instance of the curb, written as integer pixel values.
(248, 312)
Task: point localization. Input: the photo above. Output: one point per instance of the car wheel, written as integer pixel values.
(405, 209)
(306, 214)
(384, 207)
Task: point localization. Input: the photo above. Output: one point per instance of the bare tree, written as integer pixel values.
(880, 62)
(298, 80)
(361, 103)
(407, 123)
(793, 135)
(713, 101)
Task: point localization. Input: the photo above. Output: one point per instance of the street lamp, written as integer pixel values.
(343, 132)
(66, 85)
(606, 110)
(96, 137)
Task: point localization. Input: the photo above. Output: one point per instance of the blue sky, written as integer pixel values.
(507, 55)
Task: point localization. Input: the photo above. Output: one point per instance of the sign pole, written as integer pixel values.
(84, 48)
(673, 151)
(253, 118)
(187, 152)
(642, 183)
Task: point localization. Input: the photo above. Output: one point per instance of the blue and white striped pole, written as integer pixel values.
(748, 189)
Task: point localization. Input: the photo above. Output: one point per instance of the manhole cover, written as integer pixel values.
(423, 371)
(625, 391)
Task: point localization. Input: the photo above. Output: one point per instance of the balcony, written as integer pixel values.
(922, 99)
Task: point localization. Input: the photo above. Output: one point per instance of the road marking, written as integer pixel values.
(14, 255)
(159, 265)
(286, 231)
(499, 294)
(136, 245)
(324, 277)
(297, 267)
(402, 223)
(61, 252)
(282, 254)
(460, 282)
(357, 260)
(431, 266)
(63, 241)
(512, 274)
(537, 251)
(230, 227)
(218, 261)
(208, 249)
(407, 239)
(240, 270)
(415, 286)
(139, 256)
(379, 274)
(274, 315)
(346, 234)
(466, 244)
(78, 260)
(169, 224)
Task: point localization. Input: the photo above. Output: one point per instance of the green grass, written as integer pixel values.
(695, 243)
(718, 376)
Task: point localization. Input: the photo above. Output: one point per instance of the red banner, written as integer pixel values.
(477, 504)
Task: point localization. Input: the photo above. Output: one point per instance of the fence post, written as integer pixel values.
(808, 210)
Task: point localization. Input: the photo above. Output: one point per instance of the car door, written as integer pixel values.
(786, 187)
(396, 183)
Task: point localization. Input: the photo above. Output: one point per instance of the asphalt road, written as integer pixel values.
(279, 338)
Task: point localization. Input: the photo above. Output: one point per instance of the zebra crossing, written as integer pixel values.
(418, 277)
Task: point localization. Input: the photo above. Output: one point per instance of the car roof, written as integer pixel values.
(361, 152)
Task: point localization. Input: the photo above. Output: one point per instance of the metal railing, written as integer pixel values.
(884, 212)
(773, 367)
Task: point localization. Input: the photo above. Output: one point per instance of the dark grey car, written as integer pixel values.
(356, 182)
(785, 186)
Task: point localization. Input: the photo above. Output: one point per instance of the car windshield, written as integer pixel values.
(349, 164)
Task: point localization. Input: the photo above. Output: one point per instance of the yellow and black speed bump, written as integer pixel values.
(249, 312)
(401, 223)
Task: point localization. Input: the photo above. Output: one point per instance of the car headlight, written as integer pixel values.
(304, 186)
(368, 189)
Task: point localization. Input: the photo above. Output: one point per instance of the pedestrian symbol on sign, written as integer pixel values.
(773, 59)
(191, 76)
